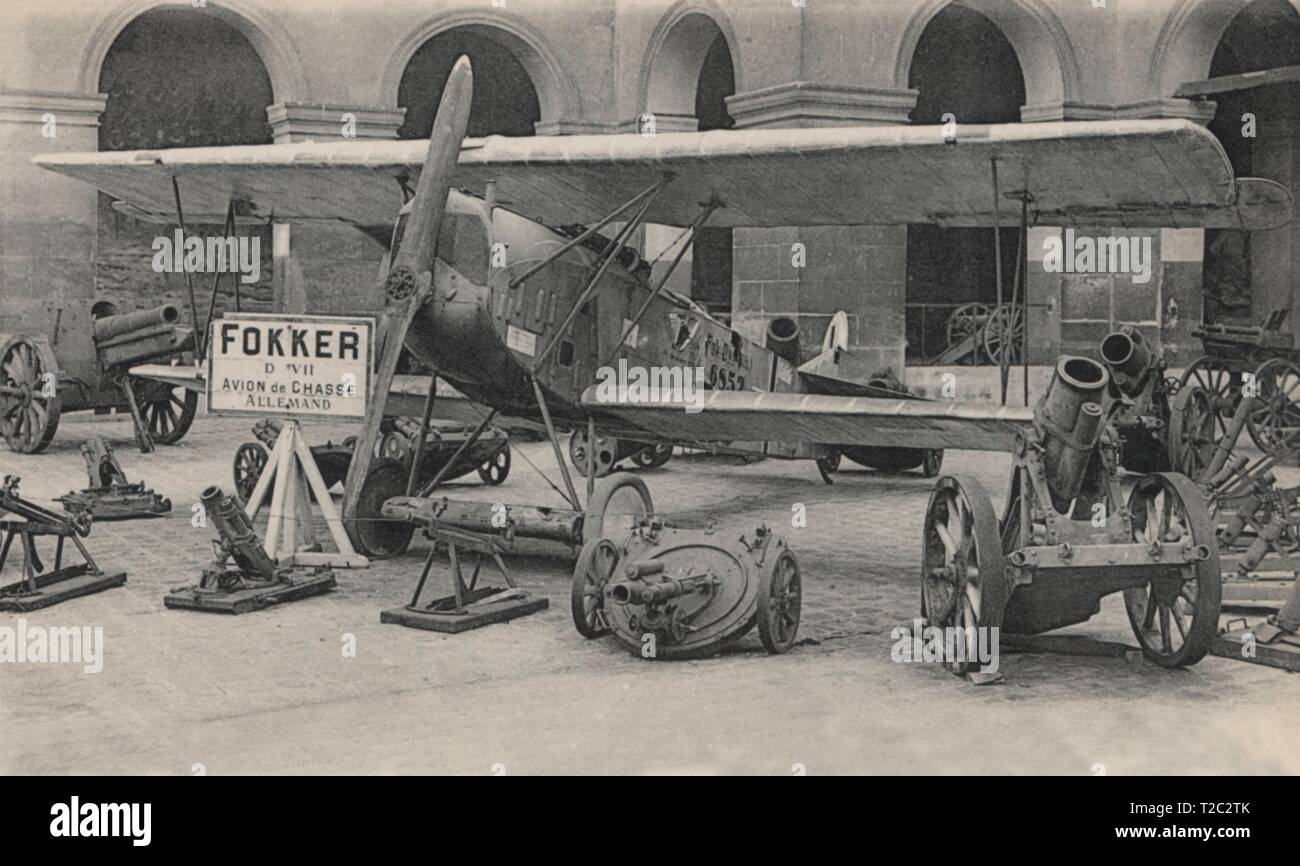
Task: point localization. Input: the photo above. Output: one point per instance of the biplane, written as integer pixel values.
(526, 333)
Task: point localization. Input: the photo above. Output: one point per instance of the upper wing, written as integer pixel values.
(1141, 173)
(827, 420)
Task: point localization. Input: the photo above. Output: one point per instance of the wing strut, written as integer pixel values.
(610, 251)
(708, 208)
(610, 217)
(1004, 356)
(200, 339)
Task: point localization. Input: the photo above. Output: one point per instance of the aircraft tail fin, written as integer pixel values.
(841, 371)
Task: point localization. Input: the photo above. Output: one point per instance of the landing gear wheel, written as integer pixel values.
(1193, 431)
(29, 398)
(652, 456)
(828, 466)
(394, 446)
(1175, 616)
(1274, 423)
(779, 603)
(497, 469)
(606, 453)
(963, 573)
(933, 462)
(374, 535)
(595, 567)
(250, 461)
(167, 412)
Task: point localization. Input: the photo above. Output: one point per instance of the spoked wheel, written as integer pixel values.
(1176, 613)
(168, 412)
(966, 320)
(1194, 431)
(29, 396)
(617, 505)
(779, 603)
(1218, 380)
(595, 567)
(1004, 334)
(932, 463)
(250, 461)
(652, 456)
(963, 573)
(497, 469)
(606, 453)
(1274, 422)
(373, 534)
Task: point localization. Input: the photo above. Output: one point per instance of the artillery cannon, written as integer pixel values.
(489, 454)
(670, 592)
(82, 364)
(110, 496)
(256, 580)
(1249, 360)
(1067, 539)
(42, 587)
(1142, 392)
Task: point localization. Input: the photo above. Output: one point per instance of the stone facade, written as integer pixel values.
(600, 66)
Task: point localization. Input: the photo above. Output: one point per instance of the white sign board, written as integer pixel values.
(290, 366)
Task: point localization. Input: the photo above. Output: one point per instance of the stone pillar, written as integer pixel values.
(1072, 312)
(1275, 282)
(47, 227)
(322, 269)
(811, 273)
(1162, 299)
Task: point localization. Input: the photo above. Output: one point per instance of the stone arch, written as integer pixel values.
(268, 37)
(1188, 40)
(557, 97)
(1040, 41)
(676, 52)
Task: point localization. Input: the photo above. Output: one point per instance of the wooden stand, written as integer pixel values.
(470, 606)
(247, 597)
(1268, 644)
(40, 588)
(290, 533)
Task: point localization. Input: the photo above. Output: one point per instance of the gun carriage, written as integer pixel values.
(1067, 538)
(1255, 360)
(489, 454)
(110, 496)
(72, 356)
(42, 586)
(983, 334)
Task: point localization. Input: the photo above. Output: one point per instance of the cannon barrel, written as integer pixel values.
(783, 338)
(1128, 356)
(108, 327)
(523, 521)
(1069, 420)
(237, 534)
(641, 592)
(134, 338)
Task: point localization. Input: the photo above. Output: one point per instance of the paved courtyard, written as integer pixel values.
(275, 692)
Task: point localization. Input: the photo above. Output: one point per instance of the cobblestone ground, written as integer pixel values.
(274, 692)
